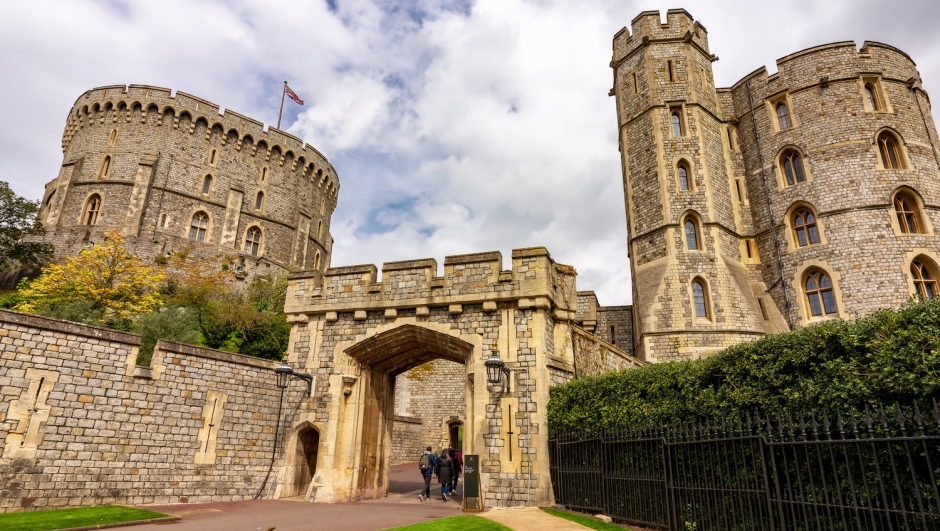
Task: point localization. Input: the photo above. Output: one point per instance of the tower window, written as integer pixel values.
(264, 174)
(316, 261)
(106, 167)
(636, 86)
(259, 200)
(763, 310)
(198, 227)
(677, 129)
(92, 207)
(890, 152)
(908, 214)
(804, 225)
(700, 299)
(669, 66)
(206, 184)
(737, 187)
(783, 116)
(163, 219)
(112, 137)
(683, 177)
(819, 295)
(613, 335)
(253, 241)
(793, 167)
(213, 156)
(925, 280)
(872, 96)
(691, 235)
(319, 230)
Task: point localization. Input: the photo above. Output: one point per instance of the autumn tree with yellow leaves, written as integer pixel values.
(104, 285)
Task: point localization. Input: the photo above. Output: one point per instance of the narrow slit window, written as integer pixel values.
(163, 220)
(316, 261)
(212, 156)
(783, 116)
(700, 299)
(106, 167)
(636, 86)
(319, 230)
(683, 177)
(691, 235)
(763, 310)
(669, 66)
(613, 335)
(872, 97)
(206, 184)
(676, 124)
(737, 187)
(259, 200)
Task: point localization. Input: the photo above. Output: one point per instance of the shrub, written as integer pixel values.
(889, 355)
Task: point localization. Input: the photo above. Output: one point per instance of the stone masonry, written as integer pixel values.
(733, 145)
(156, 161)
(81, 424)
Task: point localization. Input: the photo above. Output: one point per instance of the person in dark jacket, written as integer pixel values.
(432, 464)
(445, 474)
(455, 461)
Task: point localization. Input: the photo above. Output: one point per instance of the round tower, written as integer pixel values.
(696, 271)
(843, 168)
(170, 172)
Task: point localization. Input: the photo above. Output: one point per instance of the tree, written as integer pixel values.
(18, 221)
(106, 283)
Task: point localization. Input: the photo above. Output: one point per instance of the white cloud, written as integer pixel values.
(454, 126)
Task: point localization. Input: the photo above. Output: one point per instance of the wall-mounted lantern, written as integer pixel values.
(284, 373)
(495, 369)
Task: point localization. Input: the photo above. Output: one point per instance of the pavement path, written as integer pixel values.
(401, 507)
(530, 519)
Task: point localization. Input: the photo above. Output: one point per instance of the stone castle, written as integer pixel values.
(784, 200)
(169, 172)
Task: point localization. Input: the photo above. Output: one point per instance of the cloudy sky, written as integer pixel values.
(455, 126)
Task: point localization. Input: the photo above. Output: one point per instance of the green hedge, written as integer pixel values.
(889, 355)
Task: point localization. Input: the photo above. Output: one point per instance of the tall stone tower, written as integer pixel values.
(697, 284)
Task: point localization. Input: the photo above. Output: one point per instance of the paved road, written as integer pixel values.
(400, 508)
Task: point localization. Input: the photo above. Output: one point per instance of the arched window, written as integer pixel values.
(259, 200)
(792, 167)
(783, 116)
(676, 124)
(691, 235)
(253, 241)
(908, 213)
(700, 298)
(319, 230)
(112, 137)
(197, 229)
(163, 220)
(872, 96)
(925, 278)
(683, 172)
(316, 261)
(264, 174)
(106, 167)
(213, 156)
(804, 227)
(819, 295)
(890, 151)
(92, 207)
(206, 184)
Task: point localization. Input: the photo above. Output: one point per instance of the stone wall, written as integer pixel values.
(156, 159)
(81, 424)
(427, 399)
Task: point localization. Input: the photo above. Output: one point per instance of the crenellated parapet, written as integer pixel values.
(533, 281)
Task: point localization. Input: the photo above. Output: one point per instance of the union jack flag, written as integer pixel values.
(293, 95)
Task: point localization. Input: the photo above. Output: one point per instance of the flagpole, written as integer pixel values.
(283, 93)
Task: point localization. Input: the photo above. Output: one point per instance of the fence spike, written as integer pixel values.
(750, 425)
(790, 424)
(884, 418)
(918, 419)
(802, 426)
(770, 429)
(827, 426)
(854, 422)
(868, 422)
(902, 420)
(815, 426)
(840, 424)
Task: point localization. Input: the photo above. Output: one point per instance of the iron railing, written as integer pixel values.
(871, 469)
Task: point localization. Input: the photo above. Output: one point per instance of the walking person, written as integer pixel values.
(456, 460)
(445, 474)
(427, 464)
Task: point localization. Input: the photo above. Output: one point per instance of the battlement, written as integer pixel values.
(648, 28)
(828, 63)
(534, 280)
(135, 102)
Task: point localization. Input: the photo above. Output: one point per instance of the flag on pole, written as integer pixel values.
(293, 95)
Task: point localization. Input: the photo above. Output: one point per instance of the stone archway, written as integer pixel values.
(301, 462)
(383, 357)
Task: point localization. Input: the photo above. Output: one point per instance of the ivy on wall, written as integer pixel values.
(889, 355)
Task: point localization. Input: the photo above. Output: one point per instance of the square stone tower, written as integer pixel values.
(697, 285)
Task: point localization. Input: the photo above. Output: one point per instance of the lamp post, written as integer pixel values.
(495, 369)
(282, 374)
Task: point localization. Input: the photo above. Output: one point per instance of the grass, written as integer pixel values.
(455, 523)
(586, 521)
(79, 517)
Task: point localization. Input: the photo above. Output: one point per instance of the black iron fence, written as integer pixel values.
(871, 469)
